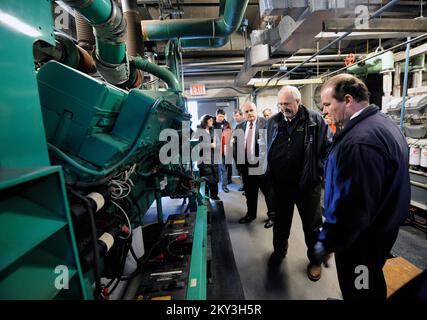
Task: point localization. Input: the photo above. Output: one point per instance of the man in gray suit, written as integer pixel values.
(252, 182)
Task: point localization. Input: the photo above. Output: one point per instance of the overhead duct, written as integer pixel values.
(216, 29)
(293, 8)
(297, 29)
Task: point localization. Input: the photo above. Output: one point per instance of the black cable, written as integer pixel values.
(133, 274)
(122, 265)
(132, 251)
(94, 242)
(92, 184)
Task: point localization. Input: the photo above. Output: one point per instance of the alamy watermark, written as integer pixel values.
(361, 282)
(214, 147)
(62, 281)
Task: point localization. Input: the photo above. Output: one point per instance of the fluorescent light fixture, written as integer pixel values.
(18, 25)
(256, 82)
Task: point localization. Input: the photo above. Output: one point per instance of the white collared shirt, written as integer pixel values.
(357, 113)
(252, 147)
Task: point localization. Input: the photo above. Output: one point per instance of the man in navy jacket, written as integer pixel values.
(367, 191)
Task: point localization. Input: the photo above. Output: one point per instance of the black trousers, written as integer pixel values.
(252, 184)
(308, 204)
(359, 267)
(210, 171)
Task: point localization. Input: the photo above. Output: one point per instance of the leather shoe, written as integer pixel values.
(246, 219)
(215, 198)
(269, 224)
(225, 189)
(314, 272)
(241, 189)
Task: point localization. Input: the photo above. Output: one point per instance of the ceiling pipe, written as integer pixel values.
(204, 43)
(217, 29)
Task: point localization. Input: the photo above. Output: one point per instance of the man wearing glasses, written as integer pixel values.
(298, 140)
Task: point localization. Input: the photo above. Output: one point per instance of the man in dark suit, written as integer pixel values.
(249, 164)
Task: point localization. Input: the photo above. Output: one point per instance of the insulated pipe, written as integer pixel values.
(134, 43)
(156, 70)
(85, 36)
(405, 83)
(222, 26)
(204, 43)
(110, 28)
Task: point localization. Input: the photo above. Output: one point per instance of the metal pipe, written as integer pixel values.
(320, 57)
(110, 27)
(204, 43)
(374, 15)
(421, 37)
(419, 184)
(214, 63)
(405, 83)
(134, 42)
(222, 26)
(162, 73)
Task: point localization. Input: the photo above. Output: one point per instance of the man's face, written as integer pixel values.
(287, 104)
(267, 114)
(249, 112)
(220, 118)
(335, 110)
(237, 117)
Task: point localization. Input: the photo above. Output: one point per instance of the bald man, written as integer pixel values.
(252, 183)
(298, 140)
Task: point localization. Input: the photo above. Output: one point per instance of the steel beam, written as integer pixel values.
(376, 25)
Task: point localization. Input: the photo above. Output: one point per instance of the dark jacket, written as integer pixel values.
(367, 191)
(260, 124)
(317, 141)
(209, 170)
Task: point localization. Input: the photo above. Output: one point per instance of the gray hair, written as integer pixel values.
(294, 90)
(249, 104)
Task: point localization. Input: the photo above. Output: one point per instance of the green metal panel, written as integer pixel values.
(92, 105)
(21, 129)
(197, 275)
(36, 234)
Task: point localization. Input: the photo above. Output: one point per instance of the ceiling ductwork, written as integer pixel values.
(302, 21)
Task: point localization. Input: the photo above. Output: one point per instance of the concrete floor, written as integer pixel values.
(252, 246)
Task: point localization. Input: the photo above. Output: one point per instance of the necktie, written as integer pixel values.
(249, 140)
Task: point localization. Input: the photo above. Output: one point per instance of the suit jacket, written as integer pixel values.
(261, 123)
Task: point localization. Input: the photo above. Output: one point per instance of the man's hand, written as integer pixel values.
(321, 255)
